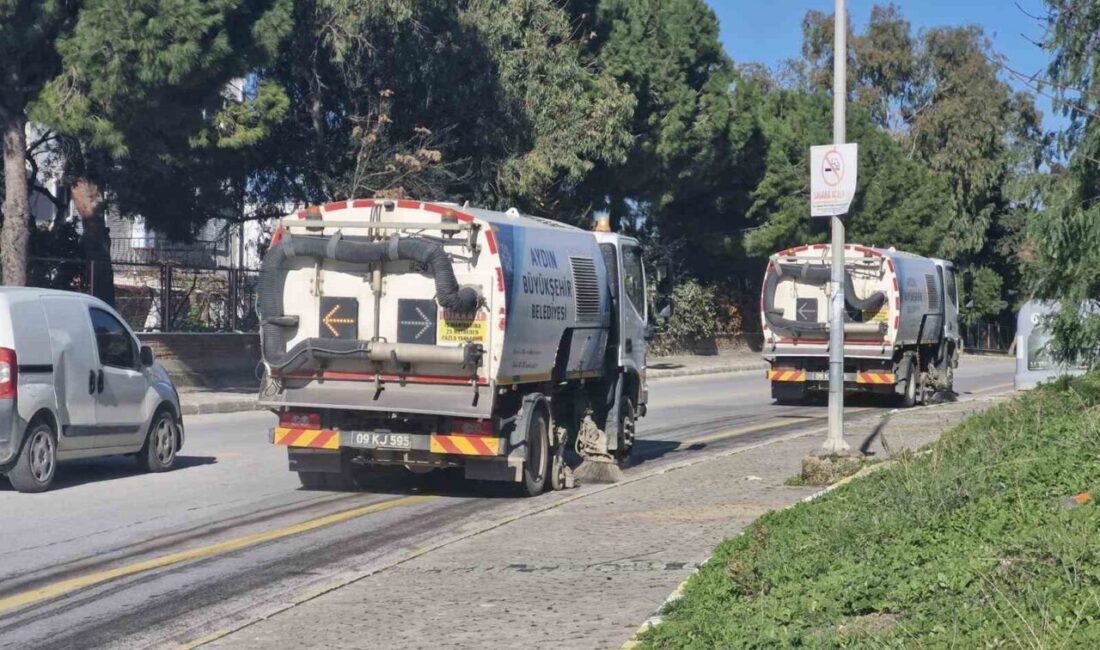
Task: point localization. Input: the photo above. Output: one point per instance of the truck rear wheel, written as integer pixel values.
(909, 397)
(536, 466)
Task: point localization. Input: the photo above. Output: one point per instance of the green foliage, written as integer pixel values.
(694, 317)
(968, 545)
(151, 108)
(480, 100)
(1064, 240)
(695, 146)
(985, 296)
(898, 202)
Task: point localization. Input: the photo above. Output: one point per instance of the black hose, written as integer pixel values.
(275, 325)
(815, 275)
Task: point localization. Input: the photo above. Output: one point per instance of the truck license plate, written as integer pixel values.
(381, 440)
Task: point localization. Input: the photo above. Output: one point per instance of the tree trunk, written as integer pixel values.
(15, 240)
(96, 239)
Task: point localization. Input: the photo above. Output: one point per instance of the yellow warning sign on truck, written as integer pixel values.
(462, 328)
(880, 316)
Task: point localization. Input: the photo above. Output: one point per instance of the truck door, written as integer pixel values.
(951, 305)
(633, 313)
(75, 367)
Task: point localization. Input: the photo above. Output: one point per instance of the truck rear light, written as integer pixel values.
(300, 420)
(278, 236)
(9, 373)
(470, 427)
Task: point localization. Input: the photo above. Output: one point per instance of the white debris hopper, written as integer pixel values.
(901, 315)
(424, 308)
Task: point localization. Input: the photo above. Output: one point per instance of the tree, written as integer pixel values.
(898, 202)
(29, 31)
(684, 185)
(481, 100)
(135, 117)
(148, 111)
(942, 97)
(1064, 238)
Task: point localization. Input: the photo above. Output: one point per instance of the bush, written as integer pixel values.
(694, 318)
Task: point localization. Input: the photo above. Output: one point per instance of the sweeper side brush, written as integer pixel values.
(598, 465)
(598, 469)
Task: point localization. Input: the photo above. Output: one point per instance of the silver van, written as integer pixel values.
(75, 383)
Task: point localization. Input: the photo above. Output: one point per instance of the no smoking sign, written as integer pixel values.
(832, 179)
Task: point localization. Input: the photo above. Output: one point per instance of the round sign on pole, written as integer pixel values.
(832, 168)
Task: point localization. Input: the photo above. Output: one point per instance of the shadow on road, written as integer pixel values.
(96, 470)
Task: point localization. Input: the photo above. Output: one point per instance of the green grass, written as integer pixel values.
(968, 546)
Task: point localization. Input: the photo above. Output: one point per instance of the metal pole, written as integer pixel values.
(834, 443)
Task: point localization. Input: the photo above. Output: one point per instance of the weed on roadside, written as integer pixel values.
(968, 545)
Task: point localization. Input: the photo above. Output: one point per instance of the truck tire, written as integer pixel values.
(626, 432)
(37, 464)
(908, 399)
(536, 466)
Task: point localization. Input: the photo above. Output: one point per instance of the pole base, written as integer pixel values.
(835, 448)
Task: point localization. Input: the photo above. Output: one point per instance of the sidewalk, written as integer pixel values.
(200, 401)
(583, 574)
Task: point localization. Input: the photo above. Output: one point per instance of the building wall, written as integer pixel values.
(216, 360)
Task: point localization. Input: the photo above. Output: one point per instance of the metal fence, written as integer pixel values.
(164, 297)
(988, 336)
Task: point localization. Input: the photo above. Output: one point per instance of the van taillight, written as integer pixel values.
(467, 427)
(300, 420)
(9, 373)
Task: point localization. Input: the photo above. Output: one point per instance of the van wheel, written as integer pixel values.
(37, 464)
(159, 452)
(536, 467)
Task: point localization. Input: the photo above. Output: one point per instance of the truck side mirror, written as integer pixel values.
(147, 356)
(968, 288)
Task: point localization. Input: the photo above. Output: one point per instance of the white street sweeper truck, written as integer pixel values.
(901, 330)
(432, 335)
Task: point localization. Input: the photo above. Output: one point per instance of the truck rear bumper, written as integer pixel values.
(455, 445)
(873, 378)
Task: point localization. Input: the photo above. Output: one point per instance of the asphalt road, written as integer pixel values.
(115, 558)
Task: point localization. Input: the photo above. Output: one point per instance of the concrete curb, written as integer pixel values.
(658, 373)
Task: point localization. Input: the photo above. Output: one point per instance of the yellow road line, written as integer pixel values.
(68, 586)
(989, 388)
(763, 426)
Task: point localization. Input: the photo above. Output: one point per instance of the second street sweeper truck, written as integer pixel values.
(431, 335)
(901, 330)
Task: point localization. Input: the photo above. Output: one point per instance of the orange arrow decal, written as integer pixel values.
(330, 319)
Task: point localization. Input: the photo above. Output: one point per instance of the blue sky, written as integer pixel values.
(770, 31)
